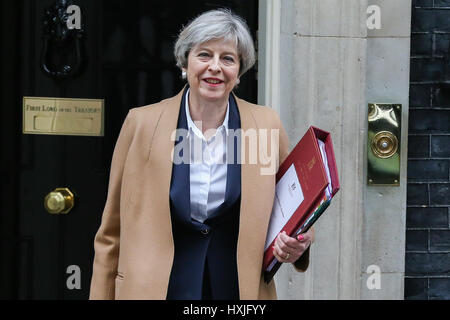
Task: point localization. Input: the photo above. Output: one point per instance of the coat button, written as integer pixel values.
(205, 231)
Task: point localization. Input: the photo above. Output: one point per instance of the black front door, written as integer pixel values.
(126, 59)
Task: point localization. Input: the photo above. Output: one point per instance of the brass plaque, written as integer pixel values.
(63, 116)
(383, 144)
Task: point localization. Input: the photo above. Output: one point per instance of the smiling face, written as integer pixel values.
(212, 71)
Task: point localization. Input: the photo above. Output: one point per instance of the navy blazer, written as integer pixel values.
(205, 252)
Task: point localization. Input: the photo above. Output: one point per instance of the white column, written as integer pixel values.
(388, 56)
(330, 67)
(269, 53)
(322, 81)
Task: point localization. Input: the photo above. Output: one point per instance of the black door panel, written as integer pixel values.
(128, 61)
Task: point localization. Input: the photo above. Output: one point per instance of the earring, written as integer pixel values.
(184, 75)
(238, 81)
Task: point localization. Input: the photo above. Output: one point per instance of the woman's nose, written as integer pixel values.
(214, 65)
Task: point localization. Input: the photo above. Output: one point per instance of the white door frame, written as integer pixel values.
(269, 31)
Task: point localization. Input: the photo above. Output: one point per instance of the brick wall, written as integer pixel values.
(428, 195)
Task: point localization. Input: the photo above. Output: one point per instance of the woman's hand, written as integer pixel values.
(288, 249)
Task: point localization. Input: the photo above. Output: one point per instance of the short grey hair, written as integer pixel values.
(216, 24)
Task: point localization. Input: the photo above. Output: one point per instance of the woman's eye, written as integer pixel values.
(230, 59)
(203, 54)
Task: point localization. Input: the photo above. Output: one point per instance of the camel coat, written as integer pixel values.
(134, 245)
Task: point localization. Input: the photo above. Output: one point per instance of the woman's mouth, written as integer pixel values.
(213, 82)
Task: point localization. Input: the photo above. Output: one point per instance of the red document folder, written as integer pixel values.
(305, 166)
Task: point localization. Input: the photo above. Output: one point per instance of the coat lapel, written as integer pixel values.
(256, 205)
(159, 166)
(233, 188)
(180, 194)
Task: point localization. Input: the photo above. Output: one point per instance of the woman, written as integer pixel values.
(195, 229)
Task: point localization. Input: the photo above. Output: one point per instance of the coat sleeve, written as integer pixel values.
(302, 263)
(107, 239)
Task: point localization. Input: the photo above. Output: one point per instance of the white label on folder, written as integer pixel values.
(288, 197)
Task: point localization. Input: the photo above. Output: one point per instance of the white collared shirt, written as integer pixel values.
(208, 167)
